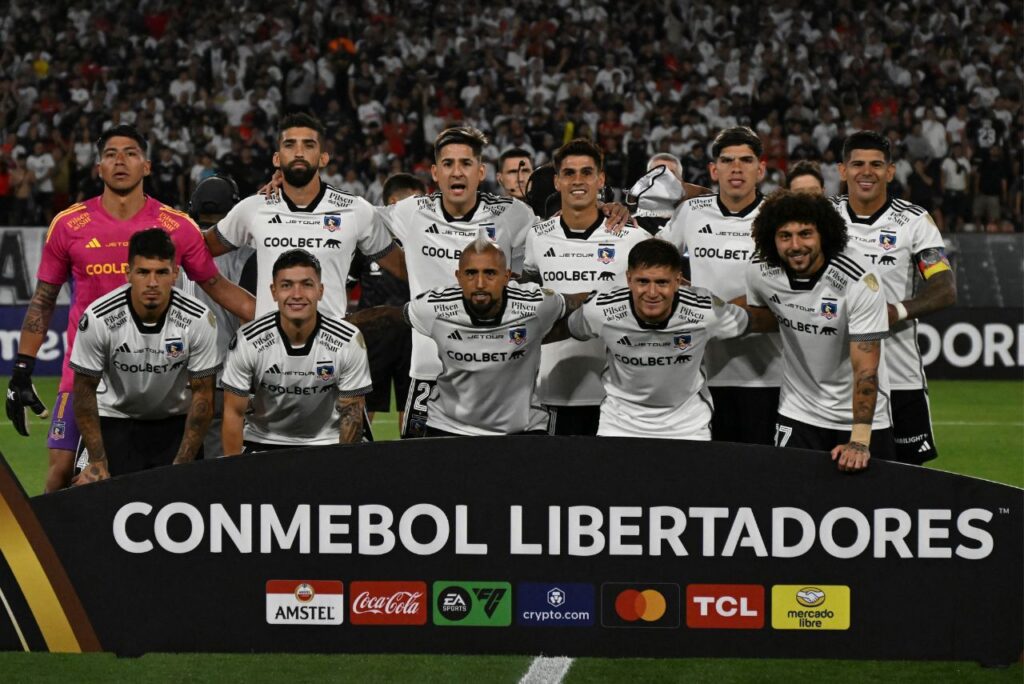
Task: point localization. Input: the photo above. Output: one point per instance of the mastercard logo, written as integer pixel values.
(648, 605)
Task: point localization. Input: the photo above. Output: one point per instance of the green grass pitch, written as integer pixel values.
(979, 428)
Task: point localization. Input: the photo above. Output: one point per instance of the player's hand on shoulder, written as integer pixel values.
(852, 457)
(273, 186)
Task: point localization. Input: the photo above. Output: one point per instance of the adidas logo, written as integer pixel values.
(775, 298)
(93, 244)
(706, 230)
(124, 348)
(433, 229)
(273, 370)
(925, 446)
(455, 335)
(625, 340)
(276, 219)
(550, 252)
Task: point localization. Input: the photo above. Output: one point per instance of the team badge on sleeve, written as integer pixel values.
(887, 239)
(325, 371)
(606, 253)
(681, 341)
(871, 281)
(83, 322)
(829, 308)
(332, 222)
(174, 347)
(517, 335)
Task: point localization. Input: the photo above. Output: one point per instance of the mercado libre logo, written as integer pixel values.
(650, 605)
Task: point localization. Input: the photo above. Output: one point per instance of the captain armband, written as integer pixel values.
(932, 261)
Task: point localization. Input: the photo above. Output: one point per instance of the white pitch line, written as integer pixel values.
(546, 670)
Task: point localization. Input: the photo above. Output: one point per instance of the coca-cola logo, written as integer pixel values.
(400, 602)
(388, 603)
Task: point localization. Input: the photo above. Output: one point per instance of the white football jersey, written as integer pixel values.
(146, 368)
(890, 241)
(332, 227)
(654, 380)
(819, 318)
(571, 262)
(488, 367)
(720, 246)
(295, 391)
(433, 241)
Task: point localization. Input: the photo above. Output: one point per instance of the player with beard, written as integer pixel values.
(307, 214)
(895, 237)
(87, 244)
(715, 231)
(488, 334)
(832, 317)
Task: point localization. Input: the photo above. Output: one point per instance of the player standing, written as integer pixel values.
(307, 214)
(897, 238)
(87, 244)
(575, 252)
(514, 168)
(743, 374)
(832, 316)
(307, 372)
(156, 349)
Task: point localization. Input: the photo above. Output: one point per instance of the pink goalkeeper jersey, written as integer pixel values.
(89, 246)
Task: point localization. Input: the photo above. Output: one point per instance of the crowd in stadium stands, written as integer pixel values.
(207, 82)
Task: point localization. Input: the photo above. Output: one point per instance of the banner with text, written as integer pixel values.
(575, 546)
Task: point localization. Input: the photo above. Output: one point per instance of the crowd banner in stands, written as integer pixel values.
(562, 546)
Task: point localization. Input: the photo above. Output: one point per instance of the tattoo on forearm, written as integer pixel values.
(40, 309)
(865, 393)
(376, 318)
(351, 423)
(196, 424)
(87, 415)
(938, 292)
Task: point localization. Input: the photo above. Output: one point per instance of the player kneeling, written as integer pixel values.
(308, 372)
(151, 343)
(655, 332)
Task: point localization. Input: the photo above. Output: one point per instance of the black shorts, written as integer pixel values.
(136, 445)
(797, 435)
(912, 426)
(249, 447)
(744, 414)
(389, 351)
(414, 422)
(574, 420)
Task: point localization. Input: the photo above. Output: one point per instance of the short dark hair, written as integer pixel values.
(513, 153)
(121, 131)
(804, 167)
(151, 243)
(652, 253)
(867, 140)
(737, 135)
(295, 257)
(301, 120)
(461, 135)
(580, 147)
(401, 181)
(785, 206)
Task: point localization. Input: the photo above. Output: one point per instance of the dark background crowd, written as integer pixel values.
(206, 83)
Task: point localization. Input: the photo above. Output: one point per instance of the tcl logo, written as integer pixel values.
(725, 606)
(388, 603)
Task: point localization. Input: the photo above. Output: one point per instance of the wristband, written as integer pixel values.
(901, 311)
(25, 363)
